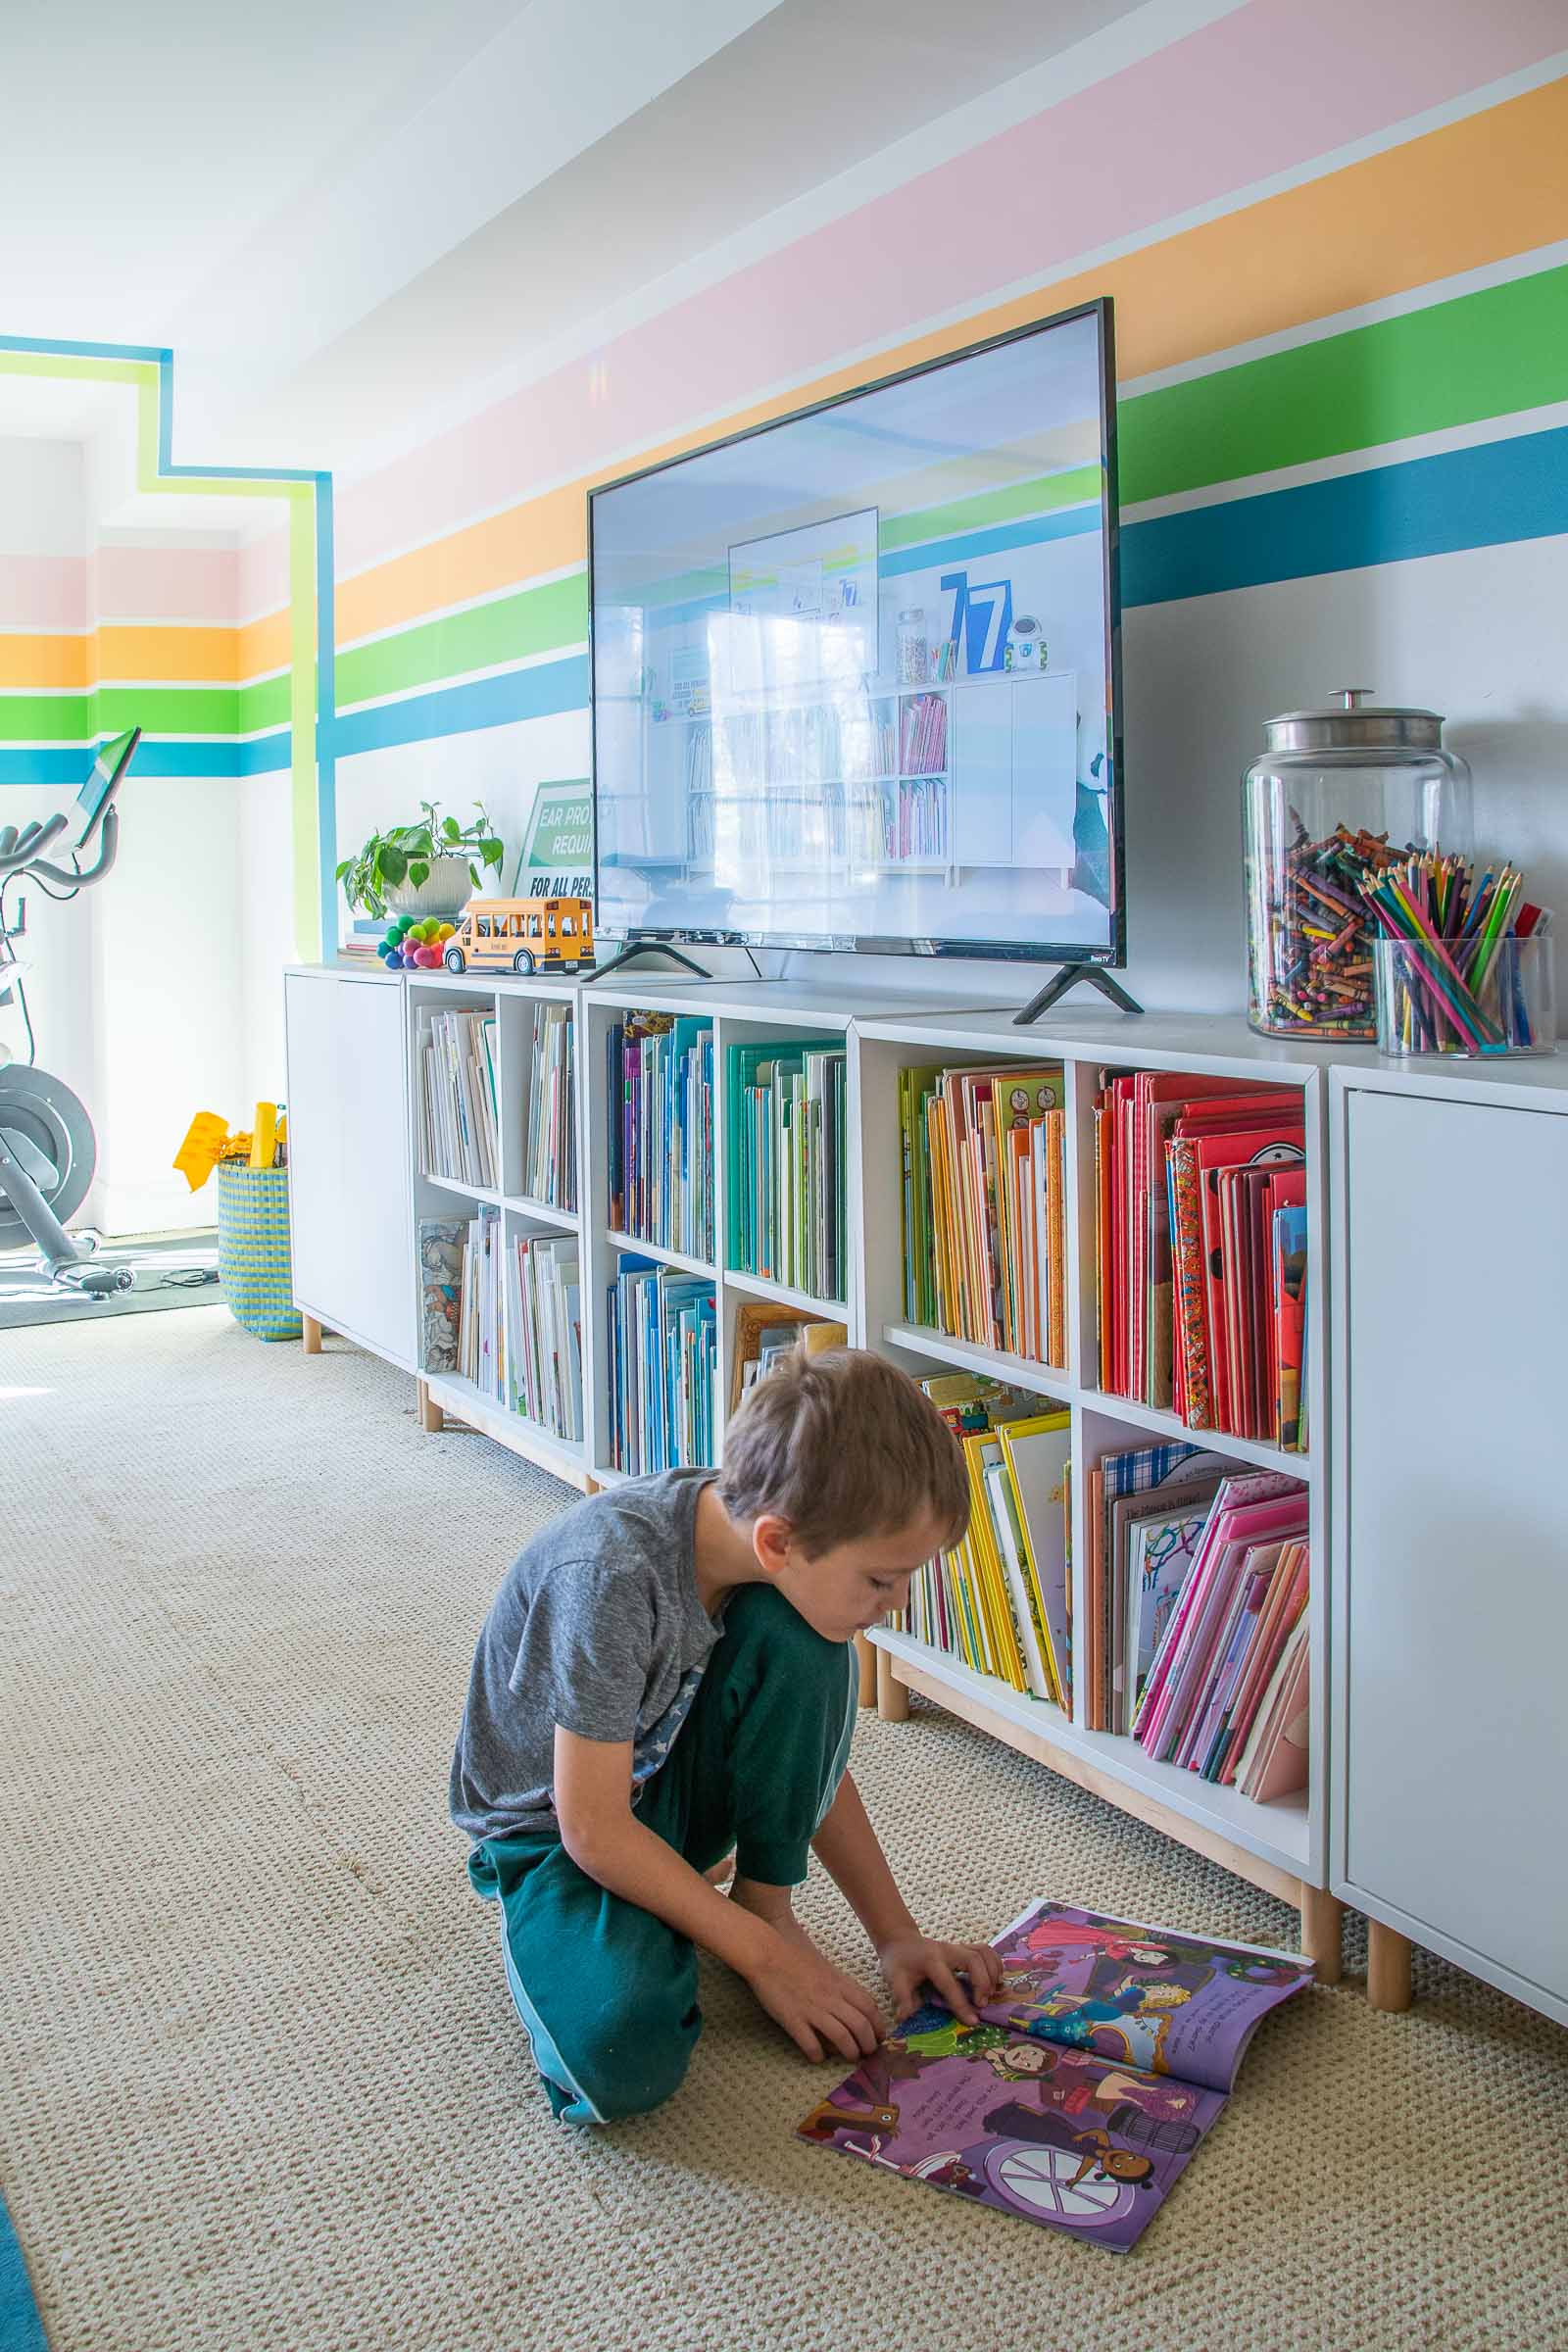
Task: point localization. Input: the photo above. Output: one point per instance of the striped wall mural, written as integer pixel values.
(1337, 239)
(214, 653)
(1358, 367)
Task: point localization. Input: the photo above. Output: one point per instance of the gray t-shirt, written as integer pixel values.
(597, 1628)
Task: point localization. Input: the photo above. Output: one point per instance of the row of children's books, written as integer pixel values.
(923, 736)
(481, 1325)
(1201, 1193)
(785, 1106)
(456, 1063)
(661, 1146)
(1226, 1690)
(663, 1330)
(983, 1205)
(1001, 1599)
(507, 1318)
(544, 1322)
(550, 1156)
(915, 818)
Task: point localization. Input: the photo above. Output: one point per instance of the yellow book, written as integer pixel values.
(988, 1572)
(1038, 1451)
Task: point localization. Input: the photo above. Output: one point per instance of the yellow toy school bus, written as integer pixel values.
(522, 935)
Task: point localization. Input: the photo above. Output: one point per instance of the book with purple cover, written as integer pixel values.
(1079, 2099)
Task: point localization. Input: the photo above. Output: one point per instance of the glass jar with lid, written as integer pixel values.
(1338, 794)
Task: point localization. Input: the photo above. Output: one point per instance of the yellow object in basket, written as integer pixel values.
(202, 1149)
(264, 1136)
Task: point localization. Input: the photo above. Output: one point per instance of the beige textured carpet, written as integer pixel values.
(262, 2088)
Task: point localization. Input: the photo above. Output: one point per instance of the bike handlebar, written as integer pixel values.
(21, 852)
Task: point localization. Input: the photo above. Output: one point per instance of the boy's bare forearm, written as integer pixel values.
(630, 1861)
(851, 1852)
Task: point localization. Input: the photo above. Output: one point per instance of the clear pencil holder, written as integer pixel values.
(1464, 996)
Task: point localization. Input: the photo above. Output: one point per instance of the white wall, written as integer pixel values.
(146, 993)
(264, 941)
(169, 995)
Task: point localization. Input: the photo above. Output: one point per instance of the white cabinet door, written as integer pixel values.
(1451, 1606)
(350, 1188)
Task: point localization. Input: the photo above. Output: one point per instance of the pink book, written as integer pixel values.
(1245, 1488)
(1279, 1624)
(1250, 1592)
(1282, 1762)
(1192, 1648)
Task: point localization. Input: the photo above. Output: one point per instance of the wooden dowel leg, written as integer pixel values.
(310, 1333)
(1322, 1932)
(1387, 1973)
(431, 1416)
(866, 1652)
(892, 1698)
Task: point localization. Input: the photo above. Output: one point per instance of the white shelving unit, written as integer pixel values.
(1435, 1766)
(1279, 1847)
(1282, 1846)
(1448, 1737)
(446, 1395)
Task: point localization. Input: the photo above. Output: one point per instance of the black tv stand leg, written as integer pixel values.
(1070, 976)
(647, 947)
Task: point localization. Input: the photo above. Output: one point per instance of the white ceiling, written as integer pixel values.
(354, 221)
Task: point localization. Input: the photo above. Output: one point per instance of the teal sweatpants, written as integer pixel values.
(606, 1992)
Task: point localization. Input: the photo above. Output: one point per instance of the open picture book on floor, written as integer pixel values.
(1082, 2092)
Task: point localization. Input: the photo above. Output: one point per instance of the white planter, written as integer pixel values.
(446, 889)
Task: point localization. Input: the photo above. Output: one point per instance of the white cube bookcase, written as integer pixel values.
(1282, 1846)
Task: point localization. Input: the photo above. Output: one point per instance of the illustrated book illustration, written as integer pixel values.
(1082, 2093)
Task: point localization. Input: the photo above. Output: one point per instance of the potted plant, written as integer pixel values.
(423, 868)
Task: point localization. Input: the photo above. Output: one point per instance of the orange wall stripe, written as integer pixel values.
(193, 656)
(40, 663)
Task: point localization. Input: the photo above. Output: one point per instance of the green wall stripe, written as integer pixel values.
(170, 709)
(46, 718)
(264, 704)
(1481, 354)
(155, 709)
(1040, 496)
(534, 620)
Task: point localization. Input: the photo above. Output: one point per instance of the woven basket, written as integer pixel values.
(253, 1263)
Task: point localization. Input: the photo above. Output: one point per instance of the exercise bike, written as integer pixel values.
(47, 1147)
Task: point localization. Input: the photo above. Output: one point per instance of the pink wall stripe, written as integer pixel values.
(168, 583)
(44, 592)
(263, 585)
(1267, 89)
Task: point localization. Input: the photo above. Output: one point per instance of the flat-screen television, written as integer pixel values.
(855, 673)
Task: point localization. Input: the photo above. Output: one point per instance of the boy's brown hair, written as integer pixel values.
(843, 1445)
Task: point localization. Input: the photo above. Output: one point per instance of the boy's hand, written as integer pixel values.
(815, 2003)
(909, 1962)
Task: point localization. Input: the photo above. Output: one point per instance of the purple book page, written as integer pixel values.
(1143, 1996)
(1047, 2134)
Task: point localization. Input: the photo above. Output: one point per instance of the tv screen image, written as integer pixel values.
(854, 672)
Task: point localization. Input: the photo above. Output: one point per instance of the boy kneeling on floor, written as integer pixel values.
(668, 1676)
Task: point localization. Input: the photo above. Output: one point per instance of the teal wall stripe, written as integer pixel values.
(1464, 498)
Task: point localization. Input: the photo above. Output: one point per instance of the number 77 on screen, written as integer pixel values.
(982, 615)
